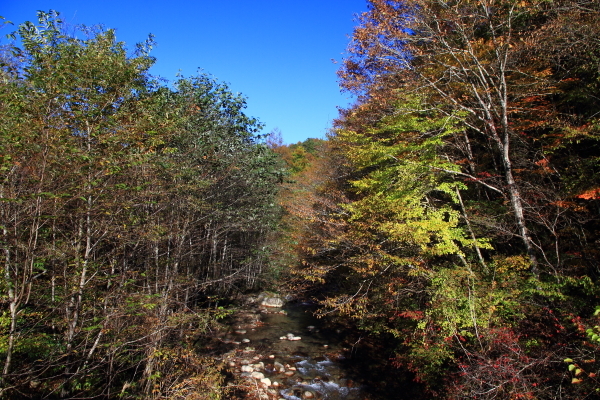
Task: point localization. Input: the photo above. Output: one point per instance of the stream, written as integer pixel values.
(286, 354)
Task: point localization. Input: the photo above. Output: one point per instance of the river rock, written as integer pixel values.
(309, 395)
(241, 331)
(274, 301)
(245, 340)
(289, 373)
(258, 375)
(278, 366)
(290, 336)
(266, 382)
(247, 368)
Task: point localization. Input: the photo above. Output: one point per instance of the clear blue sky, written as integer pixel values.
(278, 53)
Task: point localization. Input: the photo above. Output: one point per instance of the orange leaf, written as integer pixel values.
(590, 194)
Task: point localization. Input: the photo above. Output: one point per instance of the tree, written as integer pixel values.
(124, 206)
(513, 152)
(470, 57)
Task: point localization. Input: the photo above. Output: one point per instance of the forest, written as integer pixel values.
(450, 221)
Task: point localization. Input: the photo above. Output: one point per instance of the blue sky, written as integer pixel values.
(278, 53)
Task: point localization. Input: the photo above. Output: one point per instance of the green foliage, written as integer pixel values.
(402, 181)
(122, 203)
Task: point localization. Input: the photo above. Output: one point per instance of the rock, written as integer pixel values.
(295, 338)
(241, 331)
(278, 367)
(271, 356)
(247, 368)
(282, 338)
(272, 301)
(308, 395)
(260, 365)
(245, 362)
(310, 327)
(258, 375)
(266, 382)
(289, 373)
(275, 384)
(245, 340)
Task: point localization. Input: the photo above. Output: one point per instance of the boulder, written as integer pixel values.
(272, 301)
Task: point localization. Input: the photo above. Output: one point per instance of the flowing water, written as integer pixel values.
(304, 368)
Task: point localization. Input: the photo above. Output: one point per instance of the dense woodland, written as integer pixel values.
(459, 224)
(451, 220)
(127, 208)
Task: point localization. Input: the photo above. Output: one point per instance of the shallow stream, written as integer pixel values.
(305, 368)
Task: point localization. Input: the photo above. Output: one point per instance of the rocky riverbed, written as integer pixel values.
(281, 353)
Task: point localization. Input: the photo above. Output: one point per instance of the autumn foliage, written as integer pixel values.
(465, 192)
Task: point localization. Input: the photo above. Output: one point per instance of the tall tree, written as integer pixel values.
(124, 205)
